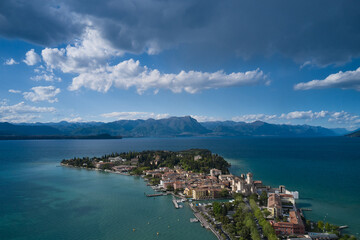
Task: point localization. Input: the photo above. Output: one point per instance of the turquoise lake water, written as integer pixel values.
(39, 200)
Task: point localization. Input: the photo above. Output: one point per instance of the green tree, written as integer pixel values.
(224, 193)
(217, 208)
(263, 198)
(320, 225)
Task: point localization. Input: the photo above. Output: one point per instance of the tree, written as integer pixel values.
(217, 208)
(263, 198)
(320, 225)
(244, 233)
(254, 196)
(224, 193)
(266, 213)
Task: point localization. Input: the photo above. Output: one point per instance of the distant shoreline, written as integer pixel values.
(58, 137)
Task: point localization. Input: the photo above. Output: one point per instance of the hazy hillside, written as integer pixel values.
(259, 128)
(354, 134)
(173, 126)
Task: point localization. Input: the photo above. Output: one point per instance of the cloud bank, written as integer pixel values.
(300, 30)
(341, 117)
(22, 112)
(343, 80)
(134, 115)
(88, 60)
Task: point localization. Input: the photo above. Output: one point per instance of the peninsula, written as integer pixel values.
(248, 209)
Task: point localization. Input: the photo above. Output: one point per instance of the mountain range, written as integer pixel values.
(169, 127)
(354, 134)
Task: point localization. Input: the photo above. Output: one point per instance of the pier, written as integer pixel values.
(157, 194)
(305, 209)
(175, 203)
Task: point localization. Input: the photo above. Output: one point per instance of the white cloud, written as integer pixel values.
(206, 118)
(134, 115)
(88, 53)
(76, 119)
(48, 77)
(130, 73)
(42, 93)
(254, 117)
(304, 115)
(343, 80)
(31, 58)
(46, 74)
(22, 112)
(14, 91)
(3, 101)
(10, 61)
(88, 59)
(344, 118)
(341, 118)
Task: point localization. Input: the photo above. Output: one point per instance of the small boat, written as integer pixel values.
(194, 220)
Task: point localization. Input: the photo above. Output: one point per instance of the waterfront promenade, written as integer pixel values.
(204, 222)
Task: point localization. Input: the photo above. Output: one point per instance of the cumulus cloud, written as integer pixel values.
(42, 93)
(300, 30)
(45, 74)
(22, 112)
(46, 77)
(87, 53)
(134, 115)
(14, 91)
(10, 61)
(206, 118)
(254, 117)
(73, 120)
(88, 59)
(343, 80)
(342, 117)
(130, 73)
(31, 58)
(304, 115)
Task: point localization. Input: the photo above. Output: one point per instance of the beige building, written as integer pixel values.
(274, 205)
(199, 193)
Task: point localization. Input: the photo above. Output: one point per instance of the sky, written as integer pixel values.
(284, 62)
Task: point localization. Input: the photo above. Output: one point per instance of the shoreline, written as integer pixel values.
(202, 220)
(168, 179)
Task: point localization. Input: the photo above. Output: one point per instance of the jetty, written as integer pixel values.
(175, 203)
(305, 209)
(157, 194)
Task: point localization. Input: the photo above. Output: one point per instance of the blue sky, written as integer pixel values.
(291, 62)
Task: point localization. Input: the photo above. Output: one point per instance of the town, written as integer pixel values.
(248, 209)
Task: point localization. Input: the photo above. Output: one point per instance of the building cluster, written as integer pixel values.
(201, 186)
(282, 207)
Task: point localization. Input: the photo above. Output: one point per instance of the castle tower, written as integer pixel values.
(249, 179)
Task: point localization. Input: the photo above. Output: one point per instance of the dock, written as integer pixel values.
(175, 203)
(305, 209)
(156, 194)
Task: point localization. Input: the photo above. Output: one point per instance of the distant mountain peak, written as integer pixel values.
(166, 127)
